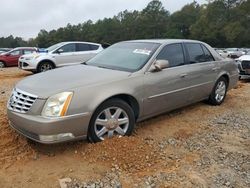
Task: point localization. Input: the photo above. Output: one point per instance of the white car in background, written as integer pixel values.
(58, 55)
(244, 66)
(222, 53)
(234, 52)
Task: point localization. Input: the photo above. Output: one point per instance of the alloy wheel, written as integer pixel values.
(110, 121)
(2, 64)
(220, 91)
(45, 67)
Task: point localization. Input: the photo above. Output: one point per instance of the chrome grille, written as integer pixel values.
(245, 64)
(21, 101)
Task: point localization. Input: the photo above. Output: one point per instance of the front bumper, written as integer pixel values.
(244, 76)
(27, 64)
(244, 70)
(50, 131)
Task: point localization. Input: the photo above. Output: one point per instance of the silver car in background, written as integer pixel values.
(126, 83)
(59, 55)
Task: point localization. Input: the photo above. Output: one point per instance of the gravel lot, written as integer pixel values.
(196, 146)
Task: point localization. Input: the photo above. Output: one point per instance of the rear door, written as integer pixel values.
(66, 55)
(201, 71)
(85, 51)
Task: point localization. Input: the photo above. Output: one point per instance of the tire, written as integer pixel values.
(45, 66)
(219, 92)
(112, 117)
(2, 64)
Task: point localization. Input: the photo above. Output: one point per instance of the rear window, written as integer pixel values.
(208, 55)
(198, 53)
(94, 47)
(83, 47)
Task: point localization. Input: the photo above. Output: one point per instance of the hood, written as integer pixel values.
(244, 58)
(34, 54)
(31, 55)
(67, 78)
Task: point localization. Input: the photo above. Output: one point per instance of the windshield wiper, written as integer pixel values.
(102, 67)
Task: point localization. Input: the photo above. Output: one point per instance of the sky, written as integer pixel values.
(25, 18)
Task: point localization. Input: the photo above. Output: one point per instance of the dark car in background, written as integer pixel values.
(10, 58)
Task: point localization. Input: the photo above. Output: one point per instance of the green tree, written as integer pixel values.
(181, 21)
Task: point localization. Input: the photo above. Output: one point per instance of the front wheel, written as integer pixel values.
(114, 117)
(2, 65)
(45, 66)
(219, 92)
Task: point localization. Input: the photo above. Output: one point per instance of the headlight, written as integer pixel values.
(57, 105)
(36, 56)
(33, 57)
(238, 61)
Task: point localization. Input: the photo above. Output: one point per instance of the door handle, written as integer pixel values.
(183, 75)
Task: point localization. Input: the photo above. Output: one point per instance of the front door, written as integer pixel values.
(167, 89)
(65, 55)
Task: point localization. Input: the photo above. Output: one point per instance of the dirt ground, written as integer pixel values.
(196, 146)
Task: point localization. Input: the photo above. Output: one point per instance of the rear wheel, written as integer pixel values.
(219, 92)
(45, 66)
(2, 64)
(114, 117)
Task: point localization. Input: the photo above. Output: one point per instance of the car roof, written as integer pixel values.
(24, 48)
(66, 42)
(164, 41)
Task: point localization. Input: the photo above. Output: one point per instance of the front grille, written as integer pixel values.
(21, 101)
(245, 64)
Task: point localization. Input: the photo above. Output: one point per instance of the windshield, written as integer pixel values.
(125, 56)
(7, 52)
(51, 48)
(232, 49)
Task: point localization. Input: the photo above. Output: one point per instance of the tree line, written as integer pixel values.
(221, 23)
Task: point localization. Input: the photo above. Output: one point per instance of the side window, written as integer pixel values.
(83, 47)
(28, 51)
(94, 47)
(68, 48)
(16, 52)
(197, 54)
(207, 53)
(174, 54)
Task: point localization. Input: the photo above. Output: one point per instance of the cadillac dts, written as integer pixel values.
(124, 84)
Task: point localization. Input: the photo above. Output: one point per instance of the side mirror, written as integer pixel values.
(159, 65)
(60, 51)
(7, 54)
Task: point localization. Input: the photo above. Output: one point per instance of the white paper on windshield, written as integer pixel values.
(142, 51)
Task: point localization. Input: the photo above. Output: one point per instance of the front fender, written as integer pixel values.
(87, 99)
